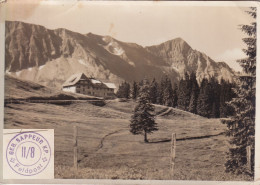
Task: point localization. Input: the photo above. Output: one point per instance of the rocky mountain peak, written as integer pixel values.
(177, 49)
(179, 42)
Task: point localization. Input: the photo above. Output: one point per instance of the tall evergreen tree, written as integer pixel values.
(123, 90)
(194, 93)
(226, 95)
(134, 91)
(153, 91)
(241, 126)
(159, 94)
(175, 95)
(181, 104)
(214, 97)
(160, 91)
(203, 104)
(167, 92)
(143, 120)
(184, 93)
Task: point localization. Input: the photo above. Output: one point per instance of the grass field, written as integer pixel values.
(107, 150)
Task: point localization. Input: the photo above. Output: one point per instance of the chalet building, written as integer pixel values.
(80, 83)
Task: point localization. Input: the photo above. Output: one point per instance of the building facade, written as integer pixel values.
(80, 83)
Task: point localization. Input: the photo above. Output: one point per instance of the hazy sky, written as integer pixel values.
(212, 30)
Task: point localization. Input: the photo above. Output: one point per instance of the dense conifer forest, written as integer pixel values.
(208, 98)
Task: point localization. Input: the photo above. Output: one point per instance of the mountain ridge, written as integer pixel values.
(49, 57)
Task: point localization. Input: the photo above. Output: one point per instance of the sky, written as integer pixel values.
(213, 30)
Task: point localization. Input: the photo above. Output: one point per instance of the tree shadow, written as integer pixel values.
(164, 140)
(159, 140)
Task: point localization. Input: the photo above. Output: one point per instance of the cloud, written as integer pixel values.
(231, 56)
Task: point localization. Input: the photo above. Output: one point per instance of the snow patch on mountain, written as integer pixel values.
(41, 67)
(174, 67)
(82, 62)
(8, 72)
(114, 48)
(18, 73)
(131, 63)
(118, 51)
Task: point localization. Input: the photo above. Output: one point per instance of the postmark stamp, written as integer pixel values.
(28, 153)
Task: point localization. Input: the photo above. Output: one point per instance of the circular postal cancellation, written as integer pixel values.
(29, 154)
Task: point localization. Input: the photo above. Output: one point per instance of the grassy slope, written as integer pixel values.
(21, 89)
(108, 150)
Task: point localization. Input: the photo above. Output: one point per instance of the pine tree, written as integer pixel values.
(153, 91)
(127, 90)
(203, 104)
(226, 95)
(175, 95)
(187, 91)
(134, 91)
(223, 101)
(123, 90)
(194, 94)
(214, 97)
(167, 92)
(120, 91)
(184, 93)
(160, 92)
(143, 121)
(241, 126)
(181, 94)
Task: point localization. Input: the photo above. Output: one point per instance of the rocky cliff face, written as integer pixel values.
(49, 57)
(181, 57)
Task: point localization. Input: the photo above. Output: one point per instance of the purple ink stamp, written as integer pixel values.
(28, 153)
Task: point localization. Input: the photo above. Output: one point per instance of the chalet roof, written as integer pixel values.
(110, 85)
(74, 79)
(81, 76)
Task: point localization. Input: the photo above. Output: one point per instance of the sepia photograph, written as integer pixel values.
(133, 90)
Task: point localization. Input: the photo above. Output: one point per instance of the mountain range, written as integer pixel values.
(50, 57)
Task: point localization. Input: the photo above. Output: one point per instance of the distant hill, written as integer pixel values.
(49, 57)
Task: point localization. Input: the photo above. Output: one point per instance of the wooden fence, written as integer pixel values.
(173, 152)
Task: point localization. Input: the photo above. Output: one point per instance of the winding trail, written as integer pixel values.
(100, 146)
